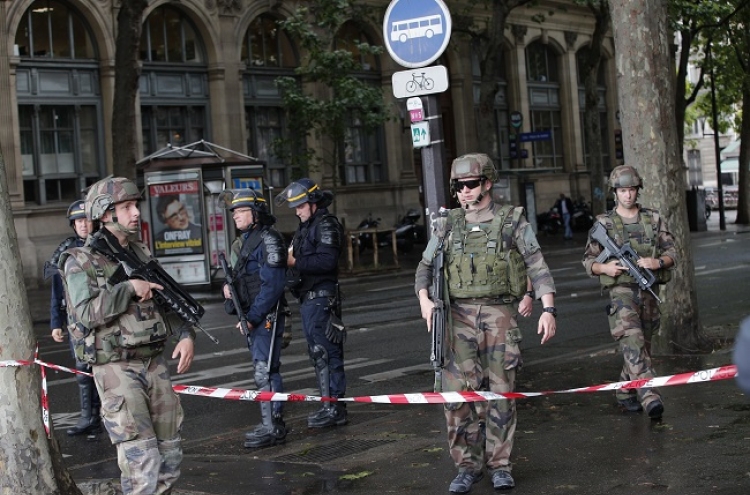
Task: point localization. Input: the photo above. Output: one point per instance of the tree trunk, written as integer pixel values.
(591, 124)
(743, 206)
(127, 72)
(27, 463)
(645, 84)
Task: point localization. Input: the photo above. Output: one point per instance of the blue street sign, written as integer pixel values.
(416, 32)
(536, 136)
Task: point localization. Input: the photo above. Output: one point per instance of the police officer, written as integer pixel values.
(259, 275)
(633, 313)
(122, 333)
(313, 278)
(491, 255)
(89, 421)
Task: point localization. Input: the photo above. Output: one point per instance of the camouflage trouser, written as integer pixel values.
(143, 417)
(633, 319)
(482, 354)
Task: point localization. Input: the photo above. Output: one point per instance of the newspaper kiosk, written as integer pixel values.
(180, 220)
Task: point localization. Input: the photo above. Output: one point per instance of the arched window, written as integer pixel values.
(52, 29)
(602, 99)
(174, 82)
(363, 157)
(544, 105)
(59, 103)
(267, 53)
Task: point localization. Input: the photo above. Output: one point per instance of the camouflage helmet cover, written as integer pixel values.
(625, 176)
(76, 210)
(106, 193)
(473, 165)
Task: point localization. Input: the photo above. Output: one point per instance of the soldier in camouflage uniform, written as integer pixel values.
(90, 421)
(491, 255)
(259, 275)
(122, 333)
(633, 313)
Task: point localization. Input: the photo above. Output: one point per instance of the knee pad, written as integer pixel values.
(319, 356)
(261, 375)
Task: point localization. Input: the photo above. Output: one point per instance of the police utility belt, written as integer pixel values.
(314, 294)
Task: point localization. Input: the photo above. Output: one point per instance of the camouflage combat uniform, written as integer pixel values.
(482, 341)
(633, 313)
(125, 347)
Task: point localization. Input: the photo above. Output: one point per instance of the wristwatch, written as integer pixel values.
(530, 294)
(661, 263)
(550, 309)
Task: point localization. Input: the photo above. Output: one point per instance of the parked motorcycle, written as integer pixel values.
(408, 233)
(549, 222)
(582, 218)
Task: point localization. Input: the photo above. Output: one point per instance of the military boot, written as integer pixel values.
(87, 423)
(331, 414)
(270, 432)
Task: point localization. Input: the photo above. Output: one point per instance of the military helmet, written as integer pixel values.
(229, 199)
(76, 210)
(106, 193)
(300, 192)
(473, 165)
(625, 176)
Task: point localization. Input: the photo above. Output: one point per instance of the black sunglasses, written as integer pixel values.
(458, 185)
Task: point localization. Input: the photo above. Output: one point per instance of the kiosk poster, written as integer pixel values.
(176, 216)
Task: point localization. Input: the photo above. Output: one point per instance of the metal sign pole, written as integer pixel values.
(434, 178)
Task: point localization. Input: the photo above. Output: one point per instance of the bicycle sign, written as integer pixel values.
(416, 32)
(424, 81)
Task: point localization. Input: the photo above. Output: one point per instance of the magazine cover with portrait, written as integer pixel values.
(177, 218)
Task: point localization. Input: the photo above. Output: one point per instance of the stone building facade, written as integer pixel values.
(208, 73)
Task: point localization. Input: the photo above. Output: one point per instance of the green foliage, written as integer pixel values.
(334, 89)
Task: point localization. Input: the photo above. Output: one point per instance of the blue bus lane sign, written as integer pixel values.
(416, 32)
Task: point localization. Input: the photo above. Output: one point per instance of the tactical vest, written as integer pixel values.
(246, 284)
(482, 259)
(642, 238)
(137, 333)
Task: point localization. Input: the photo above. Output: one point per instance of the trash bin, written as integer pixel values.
(696, 209)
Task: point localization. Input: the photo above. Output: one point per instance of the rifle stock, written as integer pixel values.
(626, 256)
(229, 279)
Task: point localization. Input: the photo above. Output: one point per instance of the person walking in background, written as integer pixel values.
(491, 257)
(313, 262)
(565, 206)
(90, 421)
(633, 312)
(259, 274)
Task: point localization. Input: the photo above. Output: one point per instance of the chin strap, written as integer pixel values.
(114, 225)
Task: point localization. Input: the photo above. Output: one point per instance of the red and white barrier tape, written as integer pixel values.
(710, 375)
(714, 374)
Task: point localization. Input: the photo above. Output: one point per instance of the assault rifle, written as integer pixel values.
(229, 279)
(437, 357)
(172, 296)
(627, 257)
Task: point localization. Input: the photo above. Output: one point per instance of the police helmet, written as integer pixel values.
(106, 193)
(76, 210)
(625, 176)
(304, 191)
(231, 199)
